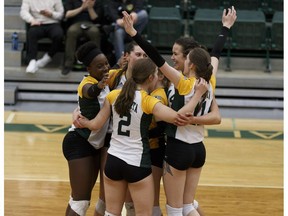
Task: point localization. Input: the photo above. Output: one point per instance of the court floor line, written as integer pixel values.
(203, 185)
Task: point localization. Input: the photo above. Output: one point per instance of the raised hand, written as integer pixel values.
(103, 81)
(128, 24)
(229, 19)
(90, 3)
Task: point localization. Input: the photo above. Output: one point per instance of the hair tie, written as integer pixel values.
(208, 64)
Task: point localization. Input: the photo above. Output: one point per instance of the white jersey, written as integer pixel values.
(177, 98)
(129, 141)
(90, 108)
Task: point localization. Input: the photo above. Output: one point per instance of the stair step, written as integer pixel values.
(12, 3)
(13, 19)
(10, 94)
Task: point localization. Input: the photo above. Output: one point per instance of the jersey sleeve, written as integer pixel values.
(148, 103)
(112, 75)
(85, 81)
(213, 82)
(185, 85)
(111, 97)
(160, 95)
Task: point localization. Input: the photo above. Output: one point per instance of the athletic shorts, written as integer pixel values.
(117, 169)
(75, 146)
(157, 155)
(182, 155)
(107, 140)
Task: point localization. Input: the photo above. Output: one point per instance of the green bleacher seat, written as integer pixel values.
(246, 4)
(209, 4)
(164, 27)
(206, 26)
(276, 5)
(249, 31)
(277, 31)
(164, 3)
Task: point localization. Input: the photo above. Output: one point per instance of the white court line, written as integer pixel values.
(201, 185)
(10, 117)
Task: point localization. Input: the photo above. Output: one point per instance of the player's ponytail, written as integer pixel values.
(141, 71)
(202, 60)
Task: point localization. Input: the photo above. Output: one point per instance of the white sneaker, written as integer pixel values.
(32, 67)
(44, 61)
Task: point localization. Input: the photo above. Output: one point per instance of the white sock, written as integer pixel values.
(187, 208)
(173, 211)
(196, 204)
(100, 207)
(108, 214)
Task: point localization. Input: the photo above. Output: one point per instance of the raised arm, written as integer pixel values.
(228, 19)
(171, 73)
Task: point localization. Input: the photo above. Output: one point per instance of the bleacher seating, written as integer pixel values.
(164, 3)
(205, 28)
(165, 25)
(277, 31)
(253, 5)
(240, 91)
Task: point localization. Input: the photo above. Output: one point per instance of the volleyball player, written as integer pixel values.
(128, 163)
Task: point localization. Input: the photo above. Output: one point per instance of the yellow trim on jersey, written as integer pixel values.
(160, 94)
(86, 79)
(112, 75)
(112, 96)
(186, 84)
(148, 102)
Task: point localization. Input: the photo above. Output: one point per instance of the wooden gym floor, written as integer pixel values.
(243, 174)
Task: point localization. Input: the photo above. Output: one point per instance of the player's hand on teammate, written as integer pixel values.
(75, 118)
(201, 86)
(184, 119)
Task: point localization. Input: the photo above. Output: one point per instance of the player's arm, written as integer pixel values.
(211, 118)
(228, 19)
(171, 73)
(99, 120)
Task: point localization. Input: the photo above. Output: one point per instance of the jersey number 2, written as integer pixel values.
(126, 120)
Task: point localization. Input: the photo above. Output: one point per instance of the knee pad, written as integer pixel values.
(187, 208)
(100, 207)
(79, 206)
(108, 214)
(173, 211)
(156, 211)
(195, 204)
(130, 210)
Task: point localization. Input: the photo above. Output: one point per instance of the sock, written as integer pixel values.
(173, 211)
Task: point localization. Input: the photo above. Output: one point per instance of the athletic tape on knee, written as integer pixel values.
(108, 214)
(187, 208)
(156, 211)
(130, 210)
(100, 207)
(195, 204)
(79, 206)
(173, 211)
